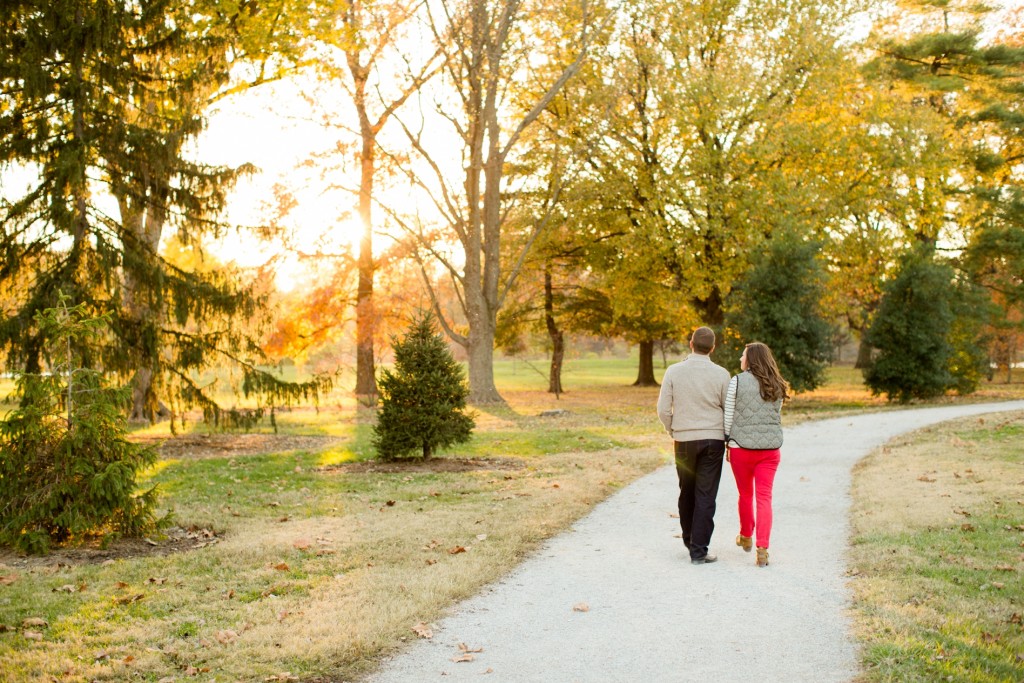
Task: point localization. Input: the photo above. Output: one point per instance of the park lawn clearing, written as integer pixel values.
(313, 564)
(937, 555)
(296, 558)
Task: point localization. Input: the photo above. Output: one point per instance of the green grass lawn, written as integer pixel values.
(938, 581)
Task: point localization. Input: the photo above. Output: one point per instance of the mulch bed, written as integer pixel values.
(429, 465)
(218, 445)
(173, 540)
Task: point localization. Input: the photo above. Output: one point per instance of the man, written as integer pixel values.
(691, 406)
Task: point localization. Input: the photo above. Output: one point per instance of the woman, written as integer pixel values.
(753, 430)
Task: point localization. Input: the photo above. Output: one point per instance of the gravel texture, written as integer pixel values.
(652, 616)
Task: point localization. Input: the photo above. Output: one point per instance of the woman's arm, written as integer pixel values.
(730, 405)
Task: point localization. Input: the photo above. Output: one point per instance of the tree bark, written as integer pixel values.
(556, 335)
(863, 361)
(366, 382)
(645, 376)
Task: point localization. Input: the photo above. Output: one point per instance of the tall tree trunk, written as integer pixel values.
(645, 376)
(145, 225)
(863, 361)
(480, 348)
(710, 308)
(366, 383)
(556, 335)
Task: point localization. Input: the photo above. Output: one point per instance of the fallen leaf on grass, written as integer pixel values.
(282, 567)
(121, 584)
(422, 630)
(1005, 568)
(581, 607)
(157, 580)
(33, 635)
(66, 588)
(456, 550)
(301, 544)
(430, 562)
(128, 599)
(286, 677)
(226, 636)
(35, 622)
(925, 478)
(166, 679)
(481, 537)
(966, 527)
(8, 580)
(1015, 618)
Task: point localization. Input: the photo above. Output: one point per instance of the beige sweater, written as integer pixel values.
(692, 400)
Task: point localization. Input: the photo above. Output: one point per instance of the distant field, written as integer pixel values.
(609, 379)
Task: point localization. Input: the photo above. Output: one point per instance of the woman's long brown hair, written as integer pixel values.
(761, 364)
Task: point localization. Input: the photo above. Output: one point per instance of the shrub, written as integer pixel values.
(777, 302)
(423, 402)
(66, 470)
(911, 331)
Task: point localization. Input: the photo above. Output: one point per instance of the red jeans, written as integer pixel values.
(755, 470)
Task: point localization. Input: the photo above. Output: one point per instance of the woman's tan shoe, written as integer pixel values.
(745, 542)
(762, 557)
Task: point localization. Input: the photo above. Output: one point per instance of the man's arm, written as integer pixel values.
(665, 403)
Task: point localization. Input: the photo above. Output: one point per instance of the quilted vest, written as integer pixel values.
(756, 423)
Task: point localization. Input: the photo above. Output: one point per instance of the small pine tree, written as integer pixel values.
(778, 302)
(423, 402)
(66, 470)
(911, 331)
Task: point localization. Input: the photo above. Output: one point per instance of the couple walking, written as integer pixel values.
(705, 410)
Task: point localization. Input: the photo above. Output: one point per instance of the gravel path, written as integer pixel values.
(653, 617)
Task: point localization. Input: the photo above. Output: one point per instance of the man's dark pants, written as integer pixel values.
(699, 466)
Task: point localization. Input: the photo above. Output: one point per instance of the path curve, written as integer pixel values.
(654, 617)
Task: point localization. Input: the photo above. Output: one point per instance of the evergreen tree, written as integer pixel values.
(423, 402)
(965, 61)
(969, 339)
(778, 302)
(911, 331)
(100, 100)
(66, 470)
